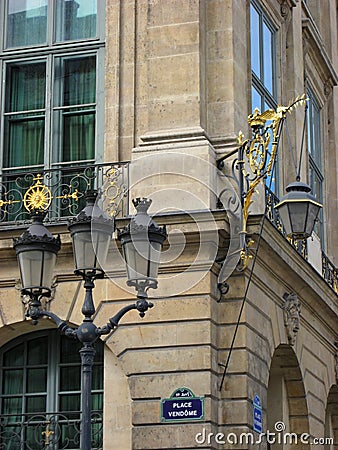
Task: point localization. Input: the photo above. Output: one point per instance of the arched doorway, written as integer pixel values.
(287, 410)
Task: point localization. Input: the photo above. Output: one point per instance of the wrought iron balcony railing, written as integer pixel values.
(329, 271)
(61, 191)
(47, 431)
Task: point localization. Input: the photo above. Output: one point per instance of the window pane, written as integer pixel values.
(70, 378)
(11, 405)
(76, 142)
(69, 351)
(24, 140)
(70, 402)
(267, 58)
(13, 381)
(75, 19)
(26, 22)
(97, 377)
(36, 404)
(25, 133)
(25, 87)
(79, 81)
(14, 357)
(256, 100)
(37, 380)
(38, 351)
(78, 136)
(97, 402)
(255, 41)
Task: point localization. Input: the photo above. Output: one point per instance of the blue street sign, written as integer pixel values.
(182, 405)
(257, 415)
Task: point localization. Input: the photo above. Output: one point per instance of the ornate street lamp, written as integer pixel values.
(141, 242)
(91, 232)
(298, 210)
(36, 250)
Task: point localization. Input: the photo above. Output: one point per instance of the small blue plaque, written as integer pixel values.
(182, 405)
(257, 415)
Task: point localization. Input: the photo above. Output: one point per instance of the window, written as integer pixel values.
(40, 375)
(53, 58)
(28, 24)
(316, 177)
(263, 69)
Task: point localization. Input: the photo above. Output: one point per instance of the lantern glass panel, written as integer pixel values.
(136, 254)
(285, 218)
(298, 215)
(36, 268)
(90, 249)
(312, 216)
(155, 255)
(100, 241)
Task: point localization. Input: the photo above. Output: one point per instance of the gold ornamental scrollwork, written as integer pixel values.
(257, 148)
(38, 196)
(260, 151)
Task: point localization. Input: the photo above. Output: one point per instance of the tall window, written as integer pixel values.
(53, 56)
(40, 376)
(316, 177)
(263, 68)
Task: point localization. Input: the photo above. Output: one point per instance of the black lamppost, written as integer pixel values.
(91, 233)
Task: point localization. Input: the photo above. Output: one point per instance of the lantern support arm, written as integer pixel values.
(35, 313)
(141, 305)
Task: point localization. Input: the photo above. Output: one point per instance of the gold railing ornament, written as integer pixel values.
(38, 197)
(47, 434)
(252, 163)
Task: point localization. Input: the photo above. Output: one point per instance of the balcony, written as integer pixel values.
(328, 270)
(47, 431)
(61, 192)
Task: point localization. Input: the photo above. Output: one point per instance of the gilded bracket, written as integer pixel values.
(253, 161)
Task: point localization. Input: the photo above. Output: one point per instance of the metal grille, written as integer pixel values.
(42, 431)
(67, 187)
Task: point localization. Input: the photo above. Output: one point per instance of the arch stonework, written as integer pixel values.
(331, 422)
(286, 393)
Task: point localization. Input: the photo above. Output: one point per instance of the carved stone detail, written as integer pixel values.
(291, 309)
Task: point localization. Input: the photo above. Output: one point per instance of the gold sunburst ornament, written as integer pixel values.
(38, 196)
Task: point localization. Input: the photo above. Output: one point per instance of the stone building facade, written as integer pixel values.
(179, 79)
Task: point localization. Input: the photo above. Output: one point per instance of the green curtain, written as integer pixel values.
(24, 137)
(79, 122)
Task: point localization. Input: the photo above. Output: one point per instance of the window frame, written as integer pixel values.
(53, 366)
(314, 143)
(51, 29)
(48, 53)
(267, 99)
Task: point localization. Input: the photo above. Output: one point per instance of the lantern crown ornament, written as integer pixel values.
(141, 242)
